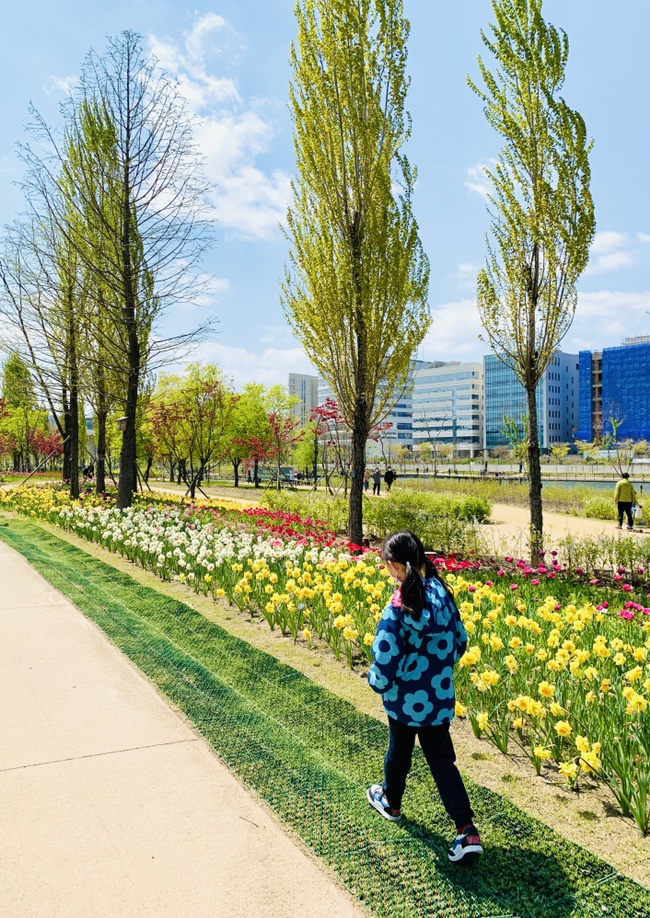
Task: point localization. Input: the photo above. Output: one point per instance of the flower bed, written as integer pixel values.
(557, 662)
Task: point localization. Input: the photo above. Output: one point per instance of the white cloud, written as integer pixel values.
(606, 317)
(477, 179)
(454, 334)
(231, 132)
(58, 84)
(611, 251)
(241, 366)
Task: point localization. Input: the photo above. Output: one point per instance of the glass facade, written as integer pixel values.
(448, 405)
(556, 398)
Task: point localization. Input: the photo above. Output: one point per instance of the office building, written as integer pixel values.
(448, 406)
(557, 400)
(397, 426)
(305, 389)
(615, 385)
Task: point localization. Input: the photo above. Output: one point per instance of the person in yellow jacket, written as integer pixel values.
(625, 497)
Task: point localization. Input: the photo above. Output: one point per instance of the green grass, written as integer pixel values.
(310, 755)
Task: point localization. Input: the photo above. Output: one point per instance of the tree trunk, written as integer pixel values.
(360, 428)
(147, 471)
(102, 414)
(359, 437)
(128, 481)
(235, 465)
(74, 441)
(256, 473)
(315, 468)
(534, 480)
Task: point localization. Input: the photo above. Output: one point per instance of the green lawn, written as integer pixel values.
(310, 755)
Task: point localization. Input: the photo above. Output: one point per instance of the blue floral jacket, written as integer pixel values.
(413, 667)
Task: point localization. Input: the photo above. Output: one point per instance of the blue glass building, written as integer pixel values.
(556, 397)
(615, 384)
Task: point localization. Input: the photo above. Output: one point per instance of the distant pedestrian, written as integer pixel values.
(389, 477)
(376, 481)
(625, 497)
(366, 479)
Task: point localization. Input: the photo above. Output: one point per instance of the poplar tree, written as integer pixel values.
(356, 283)
(542, 214)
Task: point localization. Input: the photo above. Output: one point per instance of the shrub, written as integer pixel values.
(445, 523)
(599, 508)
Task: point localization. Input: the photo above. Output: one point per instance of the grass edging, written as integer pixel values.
(310, 755)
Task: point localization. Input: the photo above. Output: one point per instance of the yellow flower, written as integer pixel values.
(208, 578)
(590, 761)
(461, 710)
(350, 634)
(568, 769)
(546, 689)
(556, 709)
(634, 675)
(306, 634)
(542, 753)
(563, 728)
(582, 744)
(636, 704)
(511, 663)
(518, 723)
(482, 720)
(606, 685)
(368, 639)
(219, 592)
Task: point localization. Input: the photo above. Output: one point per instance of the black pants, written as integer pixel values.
(439, 752)
(376, 487)
(625, 507)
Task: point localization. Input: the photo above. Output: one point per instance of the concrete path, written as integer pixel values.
(110, 804)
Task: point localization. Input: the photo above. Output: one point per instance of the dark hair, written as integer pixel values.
(405, 548)
(625, 475)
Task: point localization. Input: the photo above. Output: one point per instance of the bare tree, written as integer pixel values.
(131, 176)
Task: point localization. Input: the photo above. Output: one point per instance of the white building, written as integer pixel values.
(398, 423)
(447, 405)
(305, 388)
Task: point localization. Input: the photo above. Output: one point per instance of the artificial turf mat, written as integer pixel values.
(310, 755)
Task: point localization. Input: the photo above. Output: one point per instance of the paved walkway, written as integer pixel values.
(111, 805)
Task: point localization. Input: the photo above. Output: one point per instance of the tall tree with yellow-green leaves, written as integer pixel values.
(356, 285)
(542, 214)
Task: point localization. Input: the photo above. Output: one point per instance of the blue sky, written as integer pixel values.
(231, 57)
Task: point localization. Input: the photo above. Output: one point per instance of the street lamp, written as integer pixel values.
(121, 424)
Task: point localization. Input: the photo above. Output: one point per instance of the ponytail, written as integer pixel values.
(406, 548)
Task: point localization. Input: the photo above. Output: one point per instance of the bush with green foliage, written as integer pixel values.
(599, 508)
(445, 523)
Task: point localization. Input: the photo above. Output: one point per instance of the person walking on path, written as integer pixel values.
(376, 481)
(625, 497)
(418, 640)
(366, 479)
(389, 477)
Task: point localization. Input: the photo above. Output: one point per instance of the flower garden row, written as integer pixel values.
(558, 666)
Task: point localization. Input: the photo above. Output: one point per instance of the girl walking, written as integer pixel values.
(419, 639)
